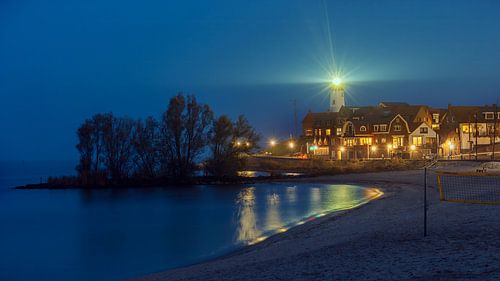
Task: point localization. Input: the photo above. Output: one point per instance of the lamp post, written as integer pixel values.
(373, 149)
(291, 145)
(342, 149)
(451, 146)
(272, 143)
(412, 149)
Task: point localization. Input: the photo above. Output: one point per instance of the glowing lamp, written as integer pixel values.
(413, 147)
(342, 149)
(291, 144)
(374, 148)
(272, 142)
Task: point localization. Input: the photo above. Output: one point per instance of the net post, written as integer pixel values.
(425, 201)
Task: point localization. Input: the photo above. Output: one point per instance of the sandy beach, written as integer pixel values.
(381, 240)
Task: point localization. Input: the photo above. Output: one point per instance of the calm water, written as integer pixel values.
(115, 234)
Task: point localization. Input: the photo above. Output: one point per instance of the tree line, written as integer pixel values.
(114, 149)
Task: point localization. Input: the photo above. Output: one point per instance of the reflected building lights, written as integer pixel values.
(247, 229)
(273, 217)
(291, 194)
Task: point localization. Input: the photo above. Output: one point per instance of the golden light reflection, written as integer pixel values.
(247, 228)
(315, 200)
(291, 194)
(273, 217)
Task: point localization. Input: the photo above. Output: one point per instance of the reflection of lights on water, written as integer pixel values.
(291, 194)
(257, 240)
(249, 233)
(273, 218)
(247, 229)
(282, 229)
(315, 199)
(252, 174)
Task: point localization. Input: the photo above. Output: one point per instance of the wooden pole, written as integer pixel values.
(425, 201)
(477, 133)
(494, 133)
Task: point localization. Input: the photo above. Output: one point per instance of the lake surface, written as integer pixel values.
(116, 234)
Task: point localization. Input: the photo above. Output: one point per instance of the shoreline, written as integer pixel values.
(344, 245)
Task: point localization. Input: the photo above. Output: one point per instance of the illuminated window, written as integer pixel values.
(362, 129)
(489, 115)
(397, 142)
(435, 117)
(339, 131)
(465, 129)
(327, 132)
(309, 133)
(365, 141)
(417, 141)
(383, 140)
(320, 132)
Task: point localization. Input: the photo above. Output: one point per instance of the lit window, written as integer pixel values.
(417, 141)
(309, 133)
(327, 132)
(383, 140)
(339, 131)
(435, 117)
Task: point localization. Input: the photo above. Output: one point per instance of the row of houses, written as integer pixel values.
(395, 129)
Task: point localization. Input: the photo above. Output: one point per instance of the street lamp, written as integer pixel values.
(389, 148)
(291, 145)
(451, 146)
(272, 142)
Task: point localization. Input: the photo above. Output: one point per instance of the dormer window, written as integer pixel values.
(375, 128)
(362, 129)
(489, 115)
(383, 127)
(397, 128)
(435, 117)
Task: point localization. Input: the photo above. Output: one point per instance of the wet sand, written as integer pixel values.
(381, 240)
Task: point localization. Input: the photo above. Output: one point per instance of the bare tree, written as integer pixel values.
(146, 154)
(224, 159)
(85, 147)
(118, 136)
(185, 128)
(245, 136)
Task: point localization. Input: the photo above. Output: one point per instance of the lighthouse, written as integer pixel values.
(336, 95)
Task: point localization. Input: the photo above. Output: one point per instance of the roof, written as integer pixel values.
(389, 104)
(319, 116)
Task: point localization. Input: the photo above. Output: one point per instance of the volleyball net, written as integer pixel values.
(478, 188)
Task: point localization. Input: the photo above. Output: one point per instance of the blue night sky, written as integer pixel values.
(62, 60)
